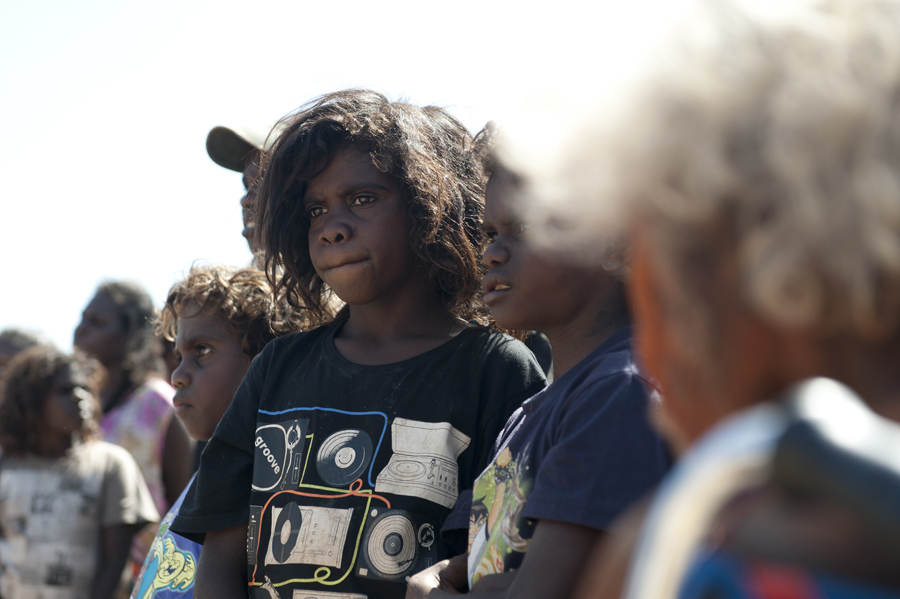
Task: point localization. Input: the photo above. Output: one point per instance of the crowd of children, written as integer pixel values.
(372, 420)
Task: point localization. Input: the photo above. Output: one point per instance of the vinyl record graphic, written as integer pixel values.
(344, 456)
(282, 547)
(390, 545)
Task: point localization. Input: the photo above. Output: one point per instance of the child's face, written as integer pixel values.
(358, 233)
(61, 414)
(524, 288)
(101, 333)
(211, 368)
(248, 201)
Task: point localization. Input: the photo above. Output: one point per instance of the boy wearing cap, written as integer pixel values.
(239, 149)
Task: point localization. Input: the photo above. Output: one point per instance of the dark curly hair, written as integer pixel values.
(143, 349)
(28, 383)
(240, 299)
(429, 155)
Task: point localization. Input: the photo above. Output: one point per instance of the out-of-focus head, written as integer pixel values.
(41, 375)
(756, 163)
(425, 151)
(239, 149)
(117, 329)
(15, 340)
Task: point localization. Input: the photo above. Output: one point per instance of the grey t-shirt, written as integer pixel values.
(53, 512)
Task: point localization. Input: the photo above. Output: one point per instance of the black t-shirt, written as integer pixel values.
(347, 472)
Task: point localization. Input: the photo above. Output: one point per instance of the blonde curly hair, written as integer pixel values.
(241, 299)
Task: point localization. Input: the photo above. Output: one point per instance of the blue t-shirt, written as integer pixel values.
(168, 571)
(581, 451)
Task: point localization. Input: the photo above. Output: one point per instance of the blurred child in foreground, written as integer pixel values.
(69, 502)
(219, 319)
(575, 455)
(757, 169)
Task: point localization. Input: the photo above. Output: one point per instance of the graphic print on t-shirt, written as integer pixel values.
(279, 453)
(308, 535)
(424, 461)
(395, 545)
(498, 533)
(319, 514)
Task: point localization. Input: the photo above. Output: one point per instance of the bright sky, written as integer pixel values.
(106, 106)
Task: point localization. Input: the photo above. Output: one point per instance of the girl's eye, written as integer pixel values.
(203, 350)
(491, 235)
(315, 211)
(362, 200)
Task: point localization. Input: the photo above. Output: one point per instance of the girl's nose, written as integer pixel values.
(335, 230)
(180, 376)
(495, 255)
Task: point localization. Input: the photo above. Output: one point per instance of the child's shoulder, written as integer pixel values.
(609, 371)
(494, 344)
(501, 358)
(286, 345)
(104, 455)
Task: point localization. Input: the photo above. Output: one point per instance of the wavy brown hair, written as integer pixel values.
(429, 155)
(29, 380)
(240, 299)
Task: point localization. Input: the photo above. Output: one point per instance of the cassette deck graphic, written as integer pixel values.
(307, 535)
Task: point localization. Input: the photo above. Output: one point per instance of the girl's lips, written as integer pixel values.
(350, 264)
(495, 291)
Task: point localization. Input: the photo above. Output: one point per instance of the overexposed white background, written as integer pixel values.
(105, 107)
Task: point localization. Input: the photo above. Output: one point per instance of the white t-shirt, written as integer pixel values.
(52, 515)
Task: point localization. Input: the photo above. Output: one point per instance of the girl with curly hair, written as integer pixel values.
(117, 329)
(69, 502)
(346, 447)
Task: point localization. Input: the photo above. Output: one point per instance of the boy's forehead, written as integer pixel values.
(195, 322)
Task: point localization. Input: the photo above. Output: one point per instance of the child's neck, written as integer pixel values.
(50, 445)
(387, 332)
(574, 341)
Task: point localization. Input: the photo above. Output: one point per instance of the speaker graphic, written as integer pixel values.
(396, 546)
(344, 456)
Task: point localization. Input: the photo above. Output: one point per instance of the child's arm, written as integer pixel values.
(222, 572)
(116, 543)
(550, 569)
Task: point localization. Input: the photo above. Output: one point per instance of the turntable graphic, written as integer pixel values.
(395, 545)
(344, 456)
(278, 454)
(424, 461)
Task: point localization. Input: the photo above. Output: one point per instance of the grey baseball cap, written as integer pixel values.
(229, 146)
